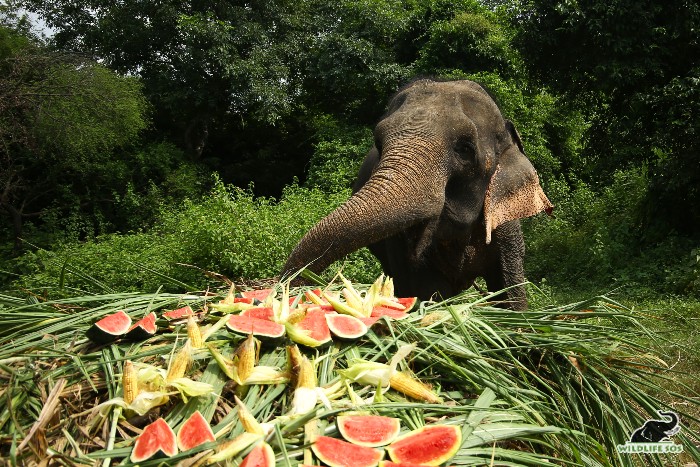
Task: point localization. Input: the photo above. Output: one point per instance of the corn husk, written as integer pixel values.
(383, 376)
(250, 424)
(179, 363)
(232, 448)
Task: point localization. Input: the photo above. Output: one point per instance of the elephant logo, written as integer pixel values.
(654, 437)
(656, 431)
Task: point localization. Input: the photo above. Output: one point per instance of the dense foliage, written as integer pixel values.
(117, 121)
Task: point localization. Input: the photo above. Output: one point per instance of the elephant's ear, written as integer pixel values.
(514, 191)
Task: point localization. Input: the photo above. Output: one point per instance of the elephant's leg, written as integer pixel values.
(505, 268)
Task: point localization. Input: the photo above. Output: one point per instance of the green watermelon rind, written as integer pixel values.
(343, 450)
(390, 429)
(421, 440)
(143, 329)
(333, 325)
(301, 335)
(100, 335)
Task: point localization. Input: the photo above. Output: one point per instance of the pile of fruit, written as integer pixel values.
(272, 319)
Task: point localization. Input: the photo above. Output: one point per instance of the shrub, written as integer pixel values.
(230, 232)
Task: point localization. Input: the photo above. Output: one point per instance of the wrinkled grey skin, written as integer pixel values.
(438, 199)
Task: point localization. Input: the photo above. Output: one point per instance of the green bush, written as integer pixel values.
(338, 154)
(598, 238)
(230, 232)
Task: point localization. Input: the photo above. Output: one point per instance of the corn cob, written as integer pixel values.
(410, 386)
(247, 358)
(194, 333)
(179, 363)
(307, 374)
(130, 384)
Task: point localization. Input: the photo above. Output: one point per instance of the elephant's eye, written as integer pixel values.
(465, 149)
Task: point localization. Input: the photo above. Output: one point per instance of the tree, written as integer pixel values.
(61, 119)
(633, 65)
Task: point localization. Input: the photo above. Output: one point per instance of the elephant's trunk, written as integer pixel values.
(671, 424)
(397, 196)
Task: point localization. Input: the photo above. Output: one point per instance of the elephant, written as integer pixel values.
(438, 199)
(654, 431)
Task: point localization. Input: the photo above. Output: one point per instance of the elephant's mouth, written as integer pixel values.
(438, 233)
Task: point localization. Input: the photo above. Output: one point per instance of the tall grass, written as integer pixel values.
(560, 384)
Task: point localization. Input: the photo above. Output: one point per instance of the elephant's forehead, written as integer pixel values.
(440, 98)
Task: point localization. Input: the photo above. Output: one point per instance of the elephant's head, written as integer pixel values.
(445, 167)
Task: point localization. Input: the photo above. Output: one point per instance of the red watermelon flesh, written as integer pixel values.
(263, 312)
(430, 445)
(109, 328)
(379, 311)
(326, 308)
(247, 300)
(402, 464)
(261, 455)
(261, 328)
(369, 321)
(338, 453)
(180, 313)
(346, 326)
(193, 432)
(260, 294)
(156, 438)
(368, 430)
(143, 328)
(315, 322)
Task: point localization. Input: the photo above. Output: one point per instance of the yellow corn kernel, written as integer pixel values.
(179, 363)
(247, 358)
(307, 374)
(194, 333)
(410, 386)
(250, 424)
(130, 384)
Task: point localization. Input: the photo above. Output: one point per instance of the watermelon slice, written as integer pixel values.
(380, 311)
(143, 328)
(265, 312)
(402, 464)
(259, 294)
(345, 326)
(109, 328)
(261, 328)
(309, 328)
(156, 439)
(369, 321)
(193, 432)
(405, 304)
(180, 313)
(261, 455)
(430, 445)
(338, 453)
(368, 430)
